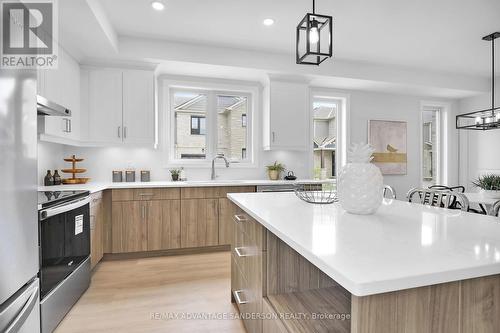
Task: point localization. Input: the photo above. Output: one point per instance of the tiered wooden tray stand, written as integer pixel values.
(74, 171)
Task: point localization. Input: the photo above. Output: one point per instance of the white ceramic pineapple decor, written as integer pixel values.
(360, 182)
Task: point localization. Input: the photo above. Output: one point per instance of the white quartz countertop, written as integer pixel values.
(403, 245)
(96, 186)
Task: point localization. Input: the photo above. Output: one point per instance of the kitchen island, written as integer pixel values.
(407, 268)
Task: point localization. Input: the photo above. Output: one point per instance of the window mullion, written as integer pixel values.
(211, 135)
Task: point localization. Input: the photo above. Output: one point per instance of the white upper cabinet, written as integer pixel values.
(105, 106)
(138, 107)
(286, 116)
(62, 86)
(120, 106)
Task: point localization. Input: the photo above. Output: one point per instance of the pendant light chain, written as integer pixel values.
(314, 6)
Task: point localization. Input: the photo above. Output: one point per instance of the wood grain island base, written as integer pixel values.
(290, 294)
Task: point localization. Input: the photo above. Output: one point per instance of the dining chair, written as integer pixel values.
(495, 209)
(439, 198)
(459, 188)
(389, 192)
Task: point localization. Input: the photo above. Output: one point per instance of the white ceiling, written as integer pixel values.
(437, 35)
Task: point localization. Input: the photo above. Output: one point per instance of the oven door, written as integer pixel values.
(64, 241)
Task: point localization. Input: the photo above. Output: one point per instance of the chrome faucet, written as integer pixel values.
(213, 164)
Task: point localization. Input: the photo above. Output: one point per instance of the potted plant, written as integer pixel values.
(274, 170)
(490, 184)
(175, 174)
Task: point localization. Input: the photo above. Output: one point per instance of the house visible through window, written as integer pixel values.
(325, 136)
(206, 123)
(198, 125)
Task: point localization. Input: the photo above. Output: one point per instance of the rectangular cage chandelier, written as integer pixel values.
(487, 119)
(314, 38)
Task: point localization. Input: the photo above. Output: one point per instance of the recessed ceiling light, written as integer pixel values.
(268, 21)
(158, 5)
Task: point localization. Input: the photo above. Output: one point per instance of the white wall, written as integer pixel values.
(50, 157)
(479, 150)
(363, 106)
(368, 105)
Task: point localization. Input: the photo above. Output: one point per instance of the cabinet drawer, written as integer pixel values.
(156, 193)
(199, 192)
(213, 192)
(255, 232)
(140, 194)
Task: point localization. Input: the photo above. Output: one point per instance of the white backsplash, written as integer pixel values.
(100, 162)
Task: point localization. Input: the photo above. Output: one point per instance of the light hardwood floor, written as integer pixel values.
(124, 296)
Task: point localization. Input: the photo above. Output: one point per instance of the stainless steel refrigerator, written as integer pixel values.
(19, 287)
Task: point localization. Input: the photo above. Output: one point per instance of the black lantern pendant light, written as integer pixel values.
(485, 119)
(314, 38)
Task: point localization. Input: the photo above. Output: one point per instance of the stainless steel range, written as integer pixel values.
(64, 228)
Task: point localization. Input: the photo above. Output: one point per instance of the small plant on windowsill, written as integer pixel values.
(490, 184)
(175, 174)
(274, 170)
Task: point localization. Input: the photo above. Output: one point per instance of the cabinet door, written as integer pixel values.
(105, 106)
(226, 225)
(138, 107)
(199, 222)
(164, 224)
(129, 230)
(289, 112)
(62, 86)
(96, 230)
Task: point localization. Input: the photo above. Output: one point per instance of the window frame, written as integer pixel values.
(343, 129)
(213, 88)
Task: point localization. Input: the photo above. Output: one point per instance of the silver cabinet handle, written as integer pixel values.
(145, 194)
(119, 131)
(274, 136)
(124, 132)
(238, 298)
(240, 218)
(144, 212)
(69, 126)
(238, 252)
(66, 125)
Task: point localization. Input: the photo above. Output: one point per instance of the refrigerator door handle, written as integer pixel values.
(66, 207)
(25, 312)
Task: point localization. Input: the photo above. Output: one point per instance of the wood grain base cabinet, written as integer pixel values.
(129, 231)
(156, 219)
(199, 222)
(145, 225)
(248, 269)
(96, 228)
(276, 280)
(226, 225)
(164, 224)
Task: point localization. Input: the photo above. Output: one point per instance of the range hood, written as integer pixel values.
(45, 107)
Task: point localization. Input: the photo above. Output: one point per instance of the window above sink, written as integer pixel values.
(205, 120)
